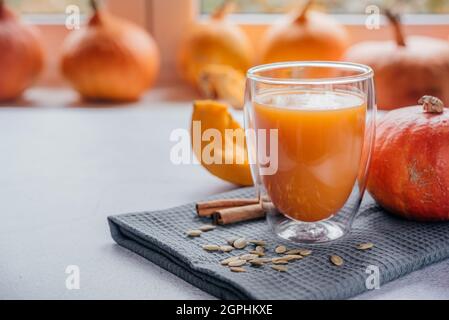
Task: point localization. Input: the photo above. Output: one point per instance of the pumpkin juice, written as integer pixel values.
(320, 140)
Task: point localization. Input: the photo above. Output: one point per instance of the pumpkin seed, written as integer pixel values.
(225, 262)
(259, 254)
(283, 261)
(237, 269)
(365, 246)
(262, 260)
(280, 249)
(211, 247)
(207, 227)
(294, 251)
(256, 263)
(337, 260)
(258, 242)
(237, 263)
(194, 233)
(260, 249)
(240, 243)
(291, 257)
(305, 252)
(231, 240)
(279, 268)
(247, 257)
(226, 248)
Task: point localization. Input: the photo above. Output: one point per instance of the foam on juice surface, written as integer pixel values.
(311, 100)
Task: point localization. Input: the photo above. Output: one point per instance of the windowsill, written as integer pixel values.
(263, 19)
(347, 19)
(49, 19)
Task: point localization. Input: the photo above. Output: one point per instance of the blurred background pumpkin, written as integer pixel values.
(305, 34)
(214, 42)
(111, 59)
(405, 68)
(21, 55)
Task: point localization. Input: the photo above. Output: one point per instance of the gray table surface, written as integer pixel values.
(65, 168)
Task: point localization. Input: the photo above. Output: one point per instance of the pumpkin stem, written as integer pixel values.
(396, 22)
(94, 5)
(223, 10)
(5, 13)
(95, 19)
(431, 104)
(302, 14)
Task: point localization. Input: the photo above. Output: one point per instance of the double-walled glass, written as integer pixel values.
(310, 129)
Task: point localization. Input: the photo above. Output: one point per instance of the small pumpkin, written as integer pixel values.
(305, 35)
(406, 68)
(216, 41)
(21, 55)
(111, 59)
(409, 173)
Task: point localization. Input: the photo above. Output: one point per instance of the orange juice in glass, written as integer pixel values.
(324, 131)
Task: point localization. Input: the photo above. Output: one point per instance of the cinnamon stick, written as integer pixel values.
(238, 214)
(208, 208)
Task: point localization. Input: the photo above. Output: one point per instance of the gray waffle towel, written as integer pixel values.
(400, 247)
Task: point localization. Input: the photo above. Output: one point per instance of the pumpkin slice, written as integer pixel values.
(229, 159)
(223, 83)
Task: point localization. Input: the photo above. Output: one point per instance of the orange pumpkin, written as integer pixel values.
(405, 69)
(21, 55)
(216, 41)
(112, 59)
(305, 35)
(223, 83)
(409, 173)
